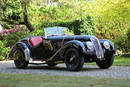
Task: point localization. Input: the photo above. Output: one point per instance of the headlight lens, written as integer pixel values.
(90, 45)
(106, 44)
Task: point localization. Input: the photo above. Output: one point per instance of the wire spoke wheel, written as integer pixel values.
(106, 62)
(74, 61)
(20, 61)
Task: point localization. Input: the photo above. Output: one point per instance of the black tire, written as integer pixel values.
(106, 62)
(20, 61)
(74, 61)
(52, 64)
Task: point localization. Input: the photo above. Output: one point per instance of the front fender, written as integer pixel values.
(77, 44)
(111, 44)
(24, 47)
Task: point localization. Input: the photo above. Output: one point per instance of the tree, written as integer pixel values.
(15, 12)
(25, 15)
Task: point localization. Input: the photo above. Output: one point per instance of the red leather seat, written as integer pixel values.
(35, 41)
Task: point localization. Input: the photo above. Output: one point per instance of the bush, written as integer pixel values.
(37, 32)
(128, 39)
(11, 36)
(122, 43)
(86, 26)
(3, 50)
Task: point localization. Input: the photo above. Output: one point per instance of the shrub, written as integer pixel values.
(120, 43)
(3, 50)
(128, 39)
(86, 26)
(37, 32)
(11, 36)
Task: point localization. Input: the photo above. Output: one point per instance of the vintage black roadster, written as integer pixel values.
(57, 46)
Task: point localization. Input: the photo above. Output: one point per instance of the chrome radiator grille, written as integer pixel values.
(97, 47)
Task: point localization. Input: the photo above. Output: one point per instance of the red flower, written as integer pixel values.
(18, 30)
(10, 30)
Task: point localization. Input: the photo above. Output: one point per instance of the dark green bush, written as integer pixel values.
(128, 39)
(120, 43)
(123, 42)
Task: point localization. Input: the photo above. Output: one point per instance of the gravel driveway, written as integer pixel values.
(88, 70)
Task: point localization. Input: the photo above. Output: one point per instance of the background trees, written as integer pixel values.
(15, 12)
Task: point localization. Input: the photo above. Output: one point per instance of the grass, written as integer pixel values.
(28, 80)
(118, 61)
(122, 61)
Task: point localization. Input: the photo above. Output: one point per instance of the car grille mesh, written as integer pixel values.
(97, 47)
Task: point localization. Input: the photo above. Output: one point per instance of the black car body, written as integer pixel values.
(55, 48)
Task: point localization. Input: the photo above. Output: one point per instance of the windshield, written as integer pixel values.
(56, 31)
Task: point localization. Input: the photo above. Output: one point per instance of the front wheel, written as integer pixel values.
(20, 61)
(106, 62)
(74, 61)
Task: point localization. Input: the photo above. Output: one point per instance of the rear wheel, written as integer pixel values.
(74, 61)
(106, 62)
(20, 61)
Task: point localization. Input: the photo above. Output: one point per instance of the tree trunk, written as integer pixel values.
(25, 15)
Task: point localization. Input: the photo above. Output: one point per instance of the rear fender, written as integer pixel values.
(22, 46)
(75, 43)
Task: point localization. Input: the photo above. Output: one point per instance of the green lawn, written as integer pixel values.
(122, 61)
(28, 80)
(118, 61)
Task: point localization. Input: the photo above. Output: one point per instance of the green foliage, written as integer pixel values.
(12, 39)
(37, 32)
(11, 9)
(121, 43)
(3, 50)
(128, 39)
(86, 26)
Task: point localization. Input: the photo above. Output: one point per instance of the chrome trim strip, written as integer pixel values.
(97, 47)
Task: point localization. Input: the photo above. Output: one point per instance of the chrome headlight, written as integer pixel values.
(90, 45)
(106, 45)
